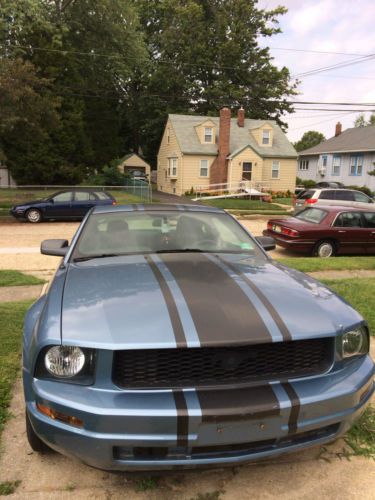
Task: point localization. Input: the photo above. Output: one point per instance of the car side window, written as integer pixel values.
(358, 196)
(344, 195)
(369, 218)
(67, 196)
(349, 219)
(81, 196)
(327, 195)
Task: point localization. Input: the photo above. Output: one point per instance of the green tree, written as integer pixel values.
(308, 140)
(361, 121)
(87, 51)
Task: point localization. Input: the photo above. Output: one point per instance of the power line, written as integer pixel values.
(335, 66)
(316, 123)
(319, 51)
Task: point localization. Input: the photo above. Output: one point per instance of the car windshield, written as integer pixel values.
(314, 215)
(121, 233)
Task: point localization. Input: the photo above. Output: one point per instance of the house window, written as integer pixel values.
(275, 169)
(356, 165)
(172, 167)
(247, 168)
(208, 134)
(303, 164)
(324, 160)
(266, 137)
(203, 171)
(336, 165)
(168, 136)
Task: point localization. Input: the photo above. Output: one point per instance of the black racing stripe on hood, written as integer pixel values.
(170, 303)
(182, 419)
(221, 311)
(238, 404)
(267, 304)
(295, 409)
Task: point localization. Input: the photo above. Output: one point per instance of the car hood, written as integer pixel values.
(190, 300)
(31, 202)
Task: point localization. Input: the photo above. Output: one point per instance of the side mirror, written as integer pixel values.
(266, 242)
(58, 248)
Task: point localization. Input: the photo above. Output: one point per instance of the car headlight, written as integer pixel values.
(71, 364)
(355, 342)
(64, 361)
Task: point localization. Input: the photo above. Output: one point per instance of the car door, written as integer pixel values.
(369, 223)
(361, 200)
(350, 232)
(82, 202)
(59, 205)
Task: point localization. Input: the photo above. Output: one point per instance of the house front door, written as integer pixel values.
(247, 168)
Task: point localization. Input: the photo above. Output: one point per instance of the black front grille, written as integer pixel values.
(213, 366)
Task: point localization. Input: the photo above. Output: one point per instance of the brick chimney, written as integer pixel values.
(241, 117)
(338, 129)
(218, 170)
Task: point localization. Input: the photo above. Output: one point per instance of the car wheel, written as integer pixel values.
(324, 249)
(34, 441)
(33, 215)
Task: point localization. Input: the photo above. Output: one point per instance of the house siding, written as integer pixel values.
(287, 174)
(315, 162)
(236, 165)
(166, 150)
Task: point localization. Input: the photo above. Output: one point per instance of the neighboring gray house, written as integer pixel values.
(347, 157)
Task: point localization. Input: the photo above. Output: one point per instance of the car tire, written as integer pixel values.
(35, 442)
(324, 249)
(33, 215)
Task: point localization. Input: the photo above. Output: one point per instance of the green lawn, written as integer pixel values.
(15, 278)
(311, 264)
(11, 320)
(233, 203)
(284, 201)
(360, 293)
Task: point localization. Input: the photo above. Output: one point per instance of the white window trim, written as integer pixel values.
(207, 167)
(210, 134)
(303, 165)
(267, 136)
(275, 162)
(173, 168)
(334, 165)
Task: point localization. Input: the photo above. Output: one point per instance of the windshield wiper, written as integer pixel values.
(182, 250)
(100, 256)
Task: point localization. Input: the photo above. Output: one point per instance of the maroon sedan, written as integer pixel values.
(326, 231)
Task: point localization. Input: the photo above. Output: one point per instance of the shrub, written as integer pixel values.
(109, 176)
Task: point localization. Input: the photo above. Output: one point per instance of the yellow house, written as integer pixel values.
(134, 163)
(202, 151)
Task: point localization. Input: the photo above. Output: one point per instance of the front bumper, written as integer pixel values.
(140, 430)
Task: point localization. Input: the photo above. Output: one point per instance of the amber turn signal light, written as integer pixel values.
(57, 415)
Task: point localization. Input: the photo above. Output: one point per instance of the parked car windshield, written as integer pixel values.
(120, 233)
(315, 215)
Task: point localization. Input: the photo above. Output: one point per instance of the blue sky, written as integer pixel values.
(325, 25)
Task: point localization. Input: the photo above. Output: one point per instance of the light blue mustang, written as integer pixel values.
(169, 339)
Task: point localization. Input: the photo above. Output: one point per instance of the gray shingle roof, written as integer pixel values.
(352, 139)
(240, 137)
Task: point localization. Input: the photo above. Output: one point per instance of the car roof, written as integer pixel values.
(340, 208)
(156, 207)
(336, 189)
